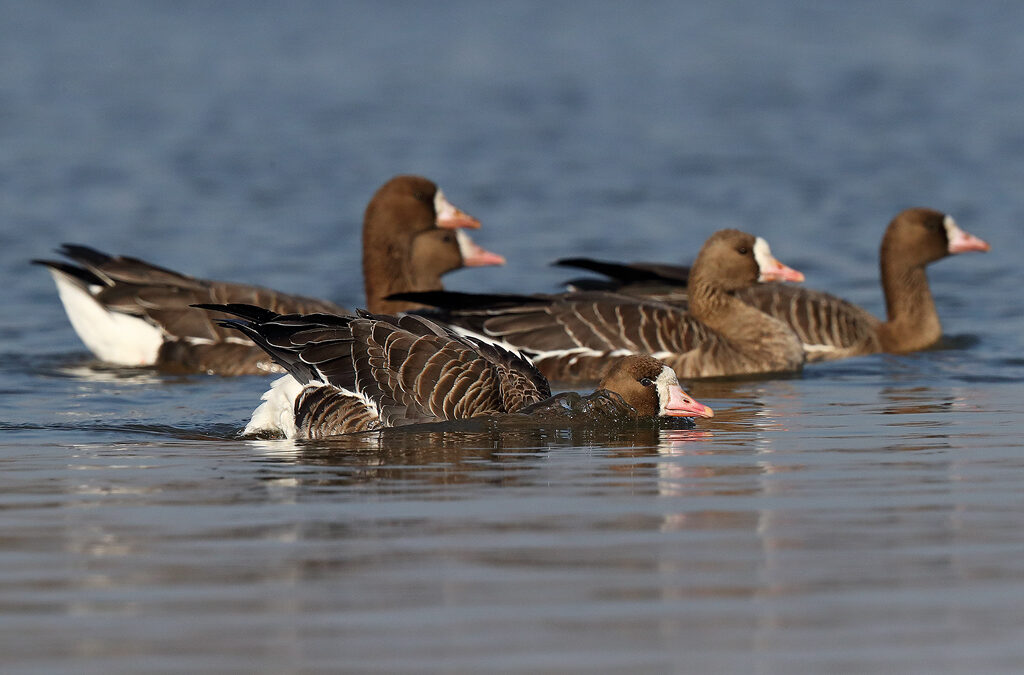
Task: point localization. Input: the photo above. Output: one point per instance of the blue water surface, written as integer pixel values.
(862, 517)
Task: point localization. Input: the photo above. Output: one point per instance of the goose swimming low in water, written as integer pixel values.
(366, 372)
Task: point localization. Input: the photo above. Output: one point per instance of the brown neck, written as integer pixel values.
(707, 301)
(722, 311)
(387, 274)
(746, 340)
(912, 322)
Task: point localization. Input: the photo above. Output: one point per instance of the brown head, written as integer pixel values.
(412, 204)
(731, 260)
(411, 236)
(916, 237)
(436, 252)
(651, 388)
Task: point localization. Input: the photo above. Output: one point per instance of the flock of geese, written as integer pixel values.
(420, 354)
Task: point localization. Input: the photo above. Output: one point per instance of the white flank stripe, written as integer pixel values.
(465, 332)
(575, 353)
(537, 356)
(112, 336)
(193, 340)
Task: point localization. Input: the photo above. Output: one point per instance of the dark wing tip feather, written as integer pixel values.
(454, 300)
(251, 331)
(584, 264)
(287, 357)
(120, 268)
(617, 271)
(366, 314)
(248, 312)
(627, 273)
(72, 271)
(237, 324)
(85, 255)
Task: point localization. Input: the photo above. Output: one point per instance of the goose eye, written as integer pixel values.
(646, 381)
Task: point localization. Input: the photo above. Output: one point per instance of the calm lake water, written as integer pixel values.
(865, 516)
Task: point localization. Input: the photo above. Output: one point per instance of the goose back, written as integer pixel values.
(827, 326)
(374, 371)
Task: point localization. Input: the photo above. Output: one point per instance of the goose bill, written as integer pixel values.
(961, 241)
(474, 255)
(681, 404)
(449, 217)
(772, 269)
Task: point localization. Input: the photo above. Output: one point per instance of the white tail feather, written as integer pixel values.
(277, 412)
(112, 336)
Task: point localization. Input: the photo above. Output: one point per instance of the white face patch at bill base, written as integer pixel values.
(474, 255)
(674, 402)
(448, 217)
(442, 207)
(763, 256)
(467, 249)
(952, 229)
(959, 241)
(955, 237)
(769, 268)
(666, 378)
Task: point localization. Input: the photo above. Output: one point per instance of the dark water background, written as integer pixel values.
(863, 517)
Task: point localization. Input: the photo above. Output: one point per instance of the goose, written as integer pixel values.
(572, 336)
(364, 372)
(828, 326)
(133, 313)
